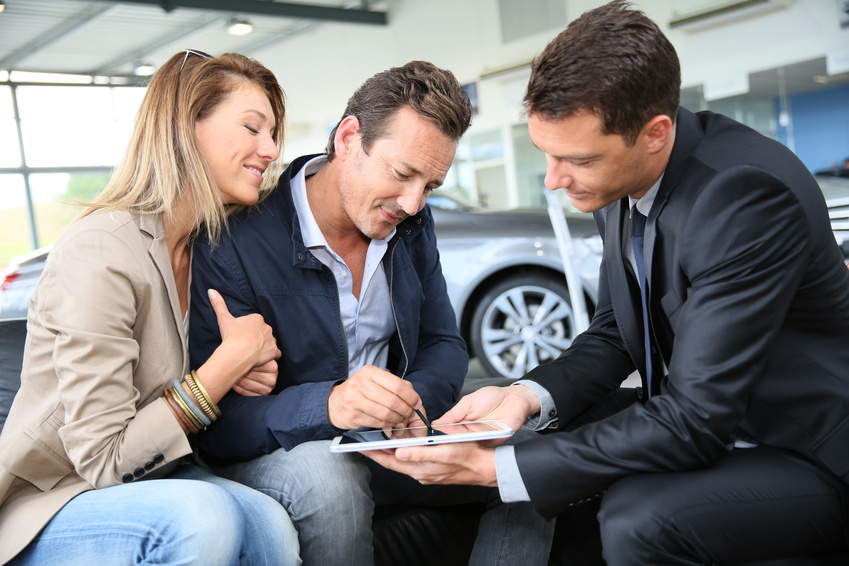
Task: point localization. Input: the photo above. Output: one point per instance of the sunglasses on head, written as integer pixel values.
(194, 52)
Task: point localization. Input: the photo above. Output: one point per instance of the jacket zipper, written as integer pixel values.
(392, 306)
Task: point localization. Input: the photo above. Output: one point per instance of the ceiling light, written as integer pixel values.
(2, 6)
(143, 69)
(239, 27)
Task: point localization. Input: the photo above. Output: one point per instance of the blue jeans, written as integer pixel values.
(331, 499)
(191, 517)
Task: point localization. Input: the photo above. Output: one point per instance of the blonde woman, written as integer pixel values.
(93, 456)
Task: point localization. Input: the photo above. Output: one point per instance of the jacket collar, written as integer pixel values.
(688, 135)
(152, 226)
(407, 229)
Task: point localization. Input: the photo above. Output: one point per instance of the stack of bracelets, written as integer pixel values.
(196, 411)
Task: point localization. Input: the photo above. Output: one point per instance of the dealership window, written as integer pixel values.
(76, 126)
(500, 169)
(71, 138)
(14, 232)
(10, 154)
(756, 112)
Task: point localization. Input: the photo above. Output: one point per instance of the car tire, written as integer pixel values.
(520, 322)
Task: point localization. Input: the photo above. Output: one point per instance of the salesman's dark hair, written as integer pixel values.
(613, 61)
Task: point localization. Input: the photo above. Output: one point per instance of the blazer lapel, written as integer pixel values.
(624, 293)
(158, 252)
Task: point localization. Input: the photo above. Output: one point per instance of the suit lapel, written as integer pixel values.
(158, 252)
(624, 293)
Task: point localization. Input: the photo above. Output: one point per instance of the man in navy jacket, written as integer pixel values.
(341, 261)
(736, 447)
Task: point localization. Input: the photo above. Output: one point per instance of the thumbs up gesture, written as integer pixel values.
(246, 355)
(249, 334)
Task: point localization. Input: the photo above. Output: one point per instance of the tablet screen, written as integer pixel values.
(375, 439)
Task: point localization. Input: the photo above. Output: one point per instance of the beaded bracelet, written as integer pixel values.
(191, 403)
(201, 400)
(178, 412)
(185, 408)
(205, 395)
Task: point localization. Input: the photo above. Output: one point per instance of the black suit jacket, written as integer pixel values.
(750, 313)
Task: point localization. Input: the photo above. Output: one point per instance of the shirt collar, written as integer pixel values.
(645, 203)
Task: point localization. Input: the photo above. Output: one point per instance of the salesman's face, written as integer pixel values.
(393, 180)
(594, 169)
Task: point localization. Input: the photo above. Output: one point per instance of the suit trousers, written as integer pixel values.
(761, 504)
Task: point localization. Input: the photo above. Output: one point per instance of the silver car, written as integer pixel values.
(18, 282)
(504, 275)
(506, 281)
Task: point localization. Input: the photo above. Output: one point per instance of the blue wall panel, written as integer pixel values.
(820, 127)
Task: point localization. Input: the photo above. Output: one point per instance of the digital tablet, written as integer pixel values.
(362, 439)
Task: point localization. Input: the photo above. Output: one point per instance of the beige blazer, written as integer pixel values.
(104, 338)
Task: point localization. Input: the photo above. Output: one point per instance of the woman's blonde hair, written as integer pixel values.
(163, 162)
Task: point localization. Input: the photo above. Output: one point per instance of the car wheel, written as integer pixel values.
(520, 322)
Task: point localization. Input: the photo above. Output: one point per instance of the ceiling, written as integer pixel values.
(107, 38)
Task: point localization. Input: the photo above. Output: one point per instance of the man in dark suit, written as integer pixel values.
(736, 447)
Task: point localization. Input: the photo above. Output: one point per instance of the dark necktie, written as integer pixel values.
(638, 225)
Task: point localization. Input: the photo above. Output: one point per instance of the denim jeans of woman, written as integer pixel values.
(191, 517)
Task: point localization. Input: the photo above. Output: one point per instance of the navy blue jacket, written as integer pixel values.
(263, 267)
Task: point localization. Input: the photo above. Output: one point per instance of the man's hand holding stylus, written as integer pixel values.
(375, 398)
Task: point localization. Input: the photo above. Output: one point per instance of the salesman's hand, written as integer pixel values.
(466, 463)
(259, 381)
(372, 397)
(511, 405)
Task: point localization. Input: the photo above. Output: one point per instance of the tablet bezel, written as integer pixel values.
(501, 430)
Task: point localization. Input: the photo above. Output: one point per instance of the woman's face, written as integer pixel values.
(236, 139)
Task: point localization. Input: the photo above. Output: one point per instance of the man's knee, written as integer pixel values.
(318, 469)
(308, 479)
(633, 524)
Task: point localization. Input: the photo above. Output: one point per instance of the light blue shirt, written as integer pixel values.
(367, 319)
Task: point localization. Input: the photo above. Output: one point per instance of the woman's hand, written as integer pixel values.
(249, 335)
(247, 343)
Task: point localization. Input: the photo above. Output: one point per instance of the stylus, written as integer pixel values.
(430, 431)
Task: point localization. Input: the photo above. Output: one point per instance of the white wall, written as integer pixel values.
(807, 29)
(319, 69)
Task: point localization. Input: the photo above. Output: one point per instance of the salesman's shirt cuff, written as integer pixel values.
(511, 488)
(547, 413)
